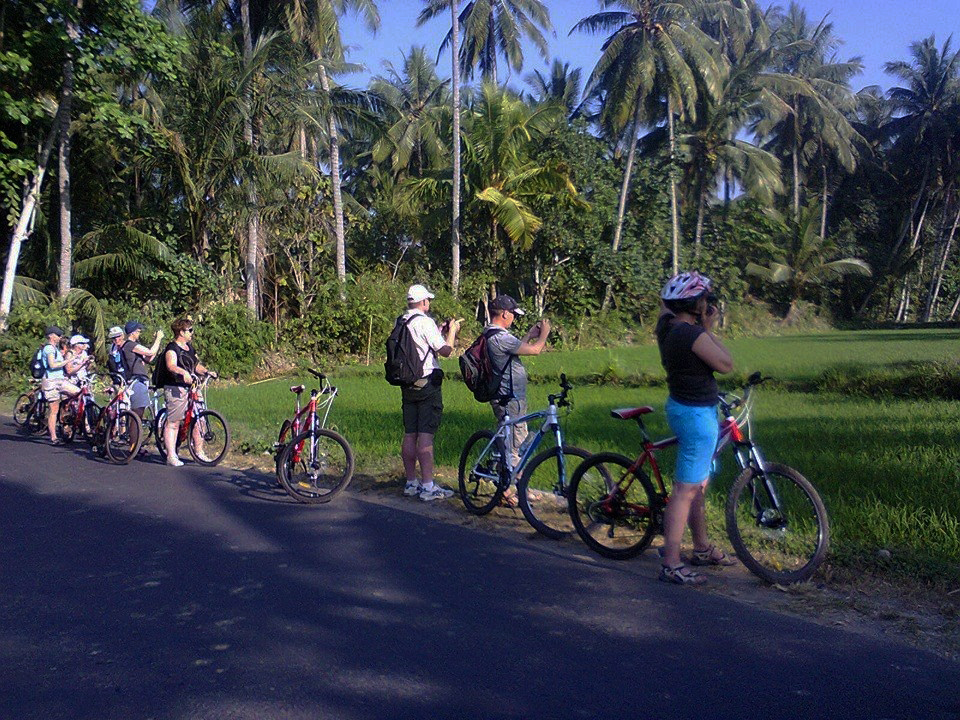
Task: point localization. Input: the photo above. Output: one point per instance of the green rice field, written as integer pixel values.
(883, 448)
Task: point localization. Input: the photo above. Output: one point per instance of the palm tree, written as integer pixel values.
(562, 86)
(492, 27)
(316, 24)
(805, 258)
(804, 119)
(412, 95)
(923, 133)
(654, 53)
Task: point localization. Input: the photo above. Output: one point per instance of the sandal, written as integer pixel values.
(509, 501)
(707, 557)
(679, 575)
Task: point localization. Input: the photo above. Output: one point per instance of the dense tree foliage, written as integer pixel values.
(206, 154)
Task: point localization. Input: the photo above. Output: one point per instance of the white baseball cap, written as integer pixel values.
(77, 339)
(418, 293)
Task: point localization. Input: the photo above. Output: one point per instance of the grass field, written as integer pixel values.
(887, 465)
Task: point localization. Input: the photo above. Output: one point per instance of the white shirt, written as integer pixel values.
(426, 336)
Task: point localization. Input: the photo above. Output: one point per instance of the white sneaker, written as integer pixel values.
(174, 462)
(436, 493)
(411, 489)
(202, 457)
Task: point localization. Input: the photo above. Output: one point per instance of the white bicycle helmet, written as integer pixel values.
(686, 286)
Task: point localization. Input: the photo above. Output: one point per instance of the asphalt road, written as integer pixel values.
(151, 592)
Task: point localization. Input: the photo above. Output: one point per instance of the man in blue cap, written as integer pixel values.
(135, 359)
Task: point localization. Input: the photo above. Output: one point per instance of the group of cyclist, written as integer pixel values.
(690, 353)
(67, 363)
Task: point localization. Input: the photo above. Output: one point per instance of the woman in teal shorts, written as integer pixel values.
(690, 353)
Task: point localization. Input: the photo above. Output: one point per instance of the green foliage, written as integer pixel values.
(229, 341)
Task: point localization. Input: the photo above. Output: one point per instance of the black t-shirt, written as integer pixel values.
(186, 360)
(689, 379)
(132, 361)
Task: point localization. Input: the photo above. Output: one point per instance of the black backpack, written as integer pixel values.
(476, 367)
(403, 366)
(38, 368)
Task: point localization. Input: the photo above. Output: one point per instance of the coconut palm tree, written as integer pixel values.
(650, 68)
(806, 258)
(491, 28)
(562, 86)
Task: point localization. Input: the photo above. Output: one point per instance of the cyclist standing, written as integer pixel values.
(505, 350)
(135, 359)
(179, 365)
(690, 353)
(54, 383)
(422, 403)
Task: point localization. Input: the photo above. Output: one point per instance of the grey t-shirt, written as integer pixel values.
(502, 347)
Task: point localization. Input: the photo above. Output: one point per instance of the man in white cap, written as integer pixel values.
(422, 403)
(505, 350)
(115, 351)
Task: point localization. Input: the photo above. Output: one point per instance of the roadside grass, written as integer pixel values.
(886, 459)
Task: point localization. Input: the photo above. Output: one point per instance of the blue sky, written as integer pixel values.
(877, 30)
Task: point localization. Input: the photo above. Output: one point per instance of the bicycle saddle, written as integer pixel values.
(297, 389)
(628, 413)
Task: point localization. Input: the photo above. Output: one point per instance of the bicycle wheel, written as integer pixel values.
(123, 437)
(614, 508)
(66, 419)
(777, 524)
(543, 490)
(209, 438)
(316, 472)
(91, 412)
(37, 417)
(21, 409)
(482, 475)
(159, 424)
(284, 436)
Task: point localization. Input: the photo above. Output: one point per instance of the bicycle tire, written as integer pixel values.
(123, 437)
(321, 478)
(66, 430)
(91, 412)
(37, 419)
(549, 514)
(481, 475)
(216, 434)
(782, 547)
(613, 507)
(281, 443)
(159, 422)
(21, 409)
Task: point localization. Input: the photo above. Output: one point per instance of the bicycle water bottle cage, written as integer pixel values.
(297, 389)
(630, 413)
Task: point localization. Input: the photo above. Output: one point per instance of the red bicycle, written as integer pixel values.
(208, 432)
(316, 464)
(79, 414)
(775, 519)
(117, 433)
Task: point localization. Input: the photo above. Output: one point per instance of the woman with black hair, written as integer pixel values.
(690, 353)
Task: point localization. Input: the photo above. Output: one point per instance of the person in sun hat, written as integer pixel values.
(505, 350)
(691, 354)
(422, 403)
(78, 358)
(135, 359)
(54, 382)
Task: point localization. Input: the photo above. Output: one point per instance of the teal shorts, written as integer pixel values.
(697, 429)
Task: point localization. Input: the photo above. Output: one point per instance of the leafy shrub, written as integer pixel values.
(229, 340)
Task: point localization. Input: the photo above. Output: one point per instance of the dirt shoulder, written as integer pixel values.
(867, 605)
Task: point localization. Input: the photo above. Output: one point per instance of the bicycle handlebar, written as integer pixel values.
(318, 375)
(561, 398)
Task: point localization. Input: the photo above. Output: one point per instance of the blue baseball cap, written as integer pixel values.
(133, 326)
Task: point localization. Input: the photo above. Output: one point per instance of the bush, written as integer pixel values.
(229, 340)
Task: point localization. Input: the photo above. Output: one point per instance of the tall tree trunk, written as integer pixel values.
(904, 230)
(939, 265)
(63, 176)
(701, 211)
(491, 49)
(674, 211)
(622, 205)
(796, 164)
(455, 219)
(24, 222)
(341, 247)
(823, 202)
(252, 264)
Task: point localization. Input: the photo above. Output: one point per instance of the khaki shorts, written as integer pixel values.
(422, 409)
(53, 387)
(176, 402)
